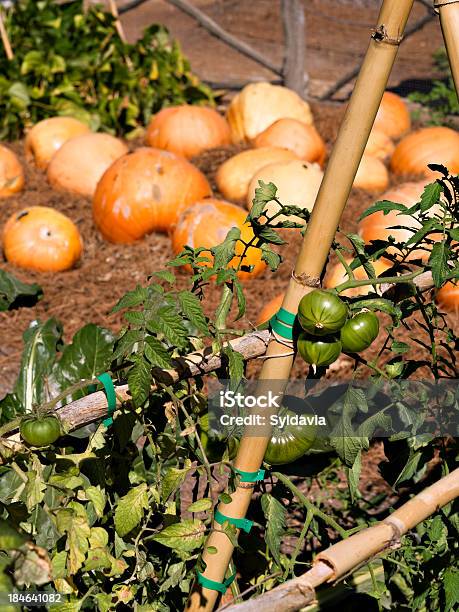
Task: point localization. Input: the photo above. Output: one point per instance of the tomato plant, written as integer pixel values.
(319, 352)
(359, 333)
(290, 442)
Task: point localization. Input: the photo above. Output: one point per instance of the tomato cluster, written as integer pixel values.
(40, 430)
(328, 330)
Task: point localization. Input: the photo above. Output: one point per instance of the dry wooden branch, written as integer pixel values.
(347, 78)
(340, 559)
(5, 39)
(294, 36)
(211, 26)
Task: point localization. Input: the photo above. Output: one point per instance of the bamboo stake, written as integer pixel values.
(294, 37)
(449, 20)
(346, 556)
(320, 232)
(5, 39)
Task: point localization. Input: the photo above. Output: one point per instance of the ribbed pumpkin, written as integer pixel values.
(447, 299)
(303, 139)
(372, 175)
(48, 136)
(297, 184)
(234, 175)
(393, 116)
(146, 191)
(338, 275)
(259, 105)
(188, 130)
(41, 238)
(432, 145)
(270, 309)
(80, 163)
(376, 226)
(11, 173)
(207, 223)
(379, 144)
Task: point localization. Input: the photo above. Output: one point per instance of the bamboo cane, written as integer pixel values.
(449, 20)
(338, 560)
(5, 39)
(321, 229)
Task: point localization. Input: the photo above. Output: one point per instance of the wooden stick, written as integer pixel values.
(294, 36)
(5, 39)
(118, 24)
(346, 556)
(320, 232)
(211, 26)
(449, 20)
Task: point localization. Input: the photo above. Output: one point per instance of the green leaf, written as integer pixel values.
(130, 509)
(192, 309)
(10, 538)
(235, 366)
(438, 261)
(275, 515)
(382, 205)
(270, 257)
(200, 506)
(131, 299)
(97, 497)
(139, 380)
(156, 353)
(410, 468)
(172, 480)
(184, 537)
(14, 293)
(268, 234)
(41, 342)
(451, 587)
(224, 252)
(353, 477)
(430, 196)
(399, 348)
(170, 325)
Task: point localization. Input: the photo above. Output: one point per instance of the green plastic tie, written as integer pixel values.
(110, 393)
(281, 329)
(213, 585)
(284, 316)
(250, 476)
(241, 523)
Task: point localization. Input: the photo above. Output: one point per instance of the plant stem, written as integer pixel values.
(224, 307)
(304, 531)
(393, 280)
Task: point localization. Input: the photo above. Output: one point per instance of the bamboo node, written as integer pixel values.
(380, 35)
(439, 3)
(305, 280)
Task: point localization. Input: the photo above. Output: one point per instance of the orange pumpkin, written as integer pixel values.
(146, 191)
(447, 299)
(43, 239)
(372, 175)
(393, 116)
(207, 223)
(47, 136)
(338, 275)
(11, 173)
(80, 163)
(259, 105)
(188, 130)
(300, 138)
(234, 175)
(379, 144)
(377, 226)
(270, 309)
(432, 145)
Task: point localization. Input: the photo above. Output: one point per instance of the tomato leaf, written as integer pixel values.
(14, 293)
(438, 261)
(130, 509)
(184, 537)
(275, 515)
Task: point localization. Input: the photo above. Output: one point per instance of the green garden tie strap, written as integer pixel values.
(110, 393)
(241, 523)
(286, 317)
(281, 329)
(250, 476)
(213, 585)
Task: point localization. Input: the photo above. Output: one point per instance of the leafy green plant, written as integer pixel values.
(15, 293)
(68, 62)
(119, 514)
(442, 98)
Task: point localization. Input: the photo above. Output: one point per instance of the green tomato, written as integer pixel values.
(321, 313)
(40, 431)
(319, 352)
(359, 332)
(289, 443)
(214, 445)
